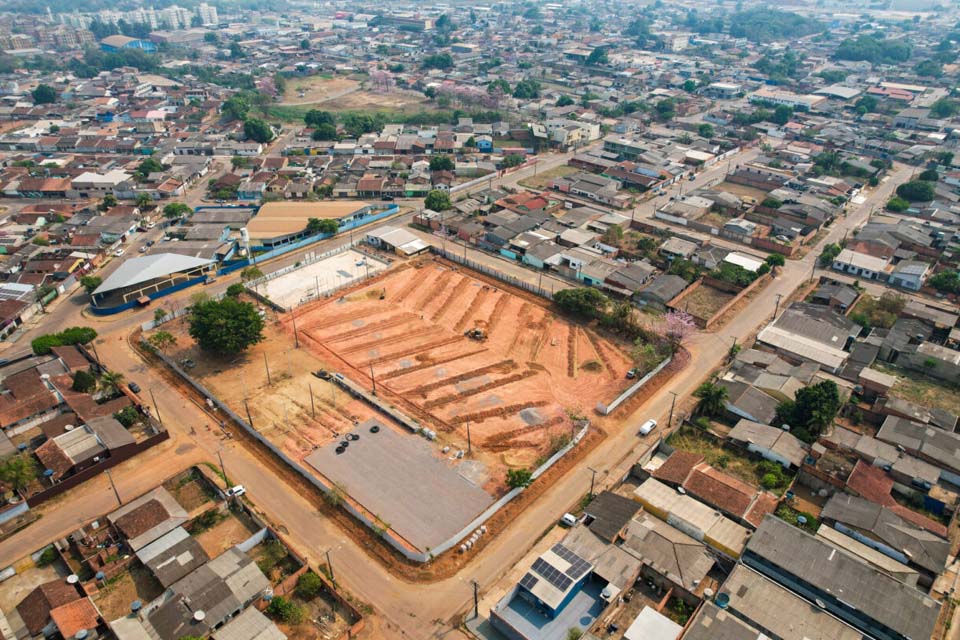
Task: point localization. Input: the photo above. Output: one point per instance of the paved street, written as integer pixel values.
(408, 610)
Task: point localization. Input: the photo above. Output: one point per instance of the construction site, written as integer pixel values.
(491, 379)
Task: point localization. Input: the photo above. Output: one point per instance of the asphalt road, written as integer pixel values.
(407, 610)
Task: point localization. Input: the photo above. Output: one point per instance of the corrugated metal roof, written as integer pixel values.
(137, 270)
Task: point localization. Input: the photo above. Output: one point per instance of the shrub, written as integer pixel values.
(235, 290)
(309, 585)
(769, 481)
(84, 381)
(48, 557)
(519, 478)
(897, 204)
(285, 610)
(74, 335)
(128, 416)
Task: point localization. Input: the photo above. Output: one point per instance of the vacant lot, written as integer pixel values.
(317, 89)
(741, 190)
(115, 597)
(926, 392)
(705, 301)
(728, 460)
(543, 178)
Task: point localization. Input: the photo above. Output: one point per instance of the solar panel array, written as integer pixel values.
(529, 581)
(551, 574)
(578, 566)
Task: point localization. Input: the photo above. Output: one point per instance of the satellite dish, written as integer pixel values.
(199, 616)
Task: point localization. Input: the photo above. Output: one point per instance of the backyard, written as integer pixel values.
(542, 179)
(924, 391)
(757, 473)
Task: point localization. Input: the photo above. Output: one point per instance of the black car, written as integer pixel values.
(133, 386)
(387, 198)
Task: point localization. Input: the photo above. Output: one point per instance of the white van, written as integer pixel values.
(568, 520)
(648, 426)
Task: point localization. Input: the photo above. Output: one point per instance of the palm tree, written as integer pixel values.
(712, 397)
(110, 382)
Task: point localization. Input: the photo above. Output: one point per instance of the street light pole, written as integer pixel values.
(777, 308)
(155, 407)
(673, 402)
(593, 477)
(115, 492)
(330, 568)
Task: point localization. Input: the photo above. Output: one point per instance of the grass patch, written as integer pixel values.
(757, 473)
(414, 114)
(543, 178)
(922, 390)
(791, 515)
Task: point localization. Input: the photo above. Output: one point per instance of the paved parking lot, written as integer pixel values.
(405, 481)
(305, 283)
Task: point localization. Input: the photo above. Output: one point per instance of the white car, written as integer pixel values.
(236, 492)
(151, 225)
(118, 252)
(648, 426)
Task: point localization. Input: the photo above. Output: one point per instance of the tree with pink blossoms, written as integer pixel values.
(677, 327)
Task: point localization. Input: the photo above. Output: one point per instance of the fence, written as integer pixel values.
(388, 536)
(607, 409)
(493, 273)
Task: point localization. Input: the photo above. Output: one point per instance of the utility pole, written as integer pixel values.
(296, 338)
(313, 408)
(155, 407)
(476, 599)
(469, 444)
(330, 568)
(223, 469)
(777, 309)
(373, 379)
(115, 492)
(593, 478)
(317, 282)
(93, 343)
(249, 417)
(673, 402)
(266, 366)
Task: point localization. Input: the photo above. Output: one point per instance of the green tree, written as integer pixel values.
(897, 204)
(257, 130)
(947, 281)
(143, 200)
(582, 301)
(235, 108)
(527, 89)
(324, 132)
(684, 268)
(225, 327)
(235, 289)
(916, 191)
(565, 101)
(706, 130)
(110, 382)
(928, 68)
(944, 108)
(828, 254)
(517, 478)
(782, 114)
(666, 109)
(441, 163)
(84, 381)
(148, 166)
(176, 210)
(250, 273)
(325, 226)
(812, 409)
(90, 283)
(316, 117)
(597, 57)
(236, 51)
(930, 175)
(309, 585)
(776, 260)
(239, 162)
(128, 416)
(74, 335)
(162, 340)
(437, 200)
(109, 201)
(712, 399)
(285, 610)
(210, 37)
(44, 94)
(438, 61)
(18, 470)
(513, 160)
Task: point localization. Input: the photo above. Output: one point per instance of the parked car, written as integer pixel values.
(133, 386)
(236, 492)
(387, 198)
(119, 252)
(631, 374)
(142, 250)
(150, 243)
(151, 225)
(648, 426)
(568, 520)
